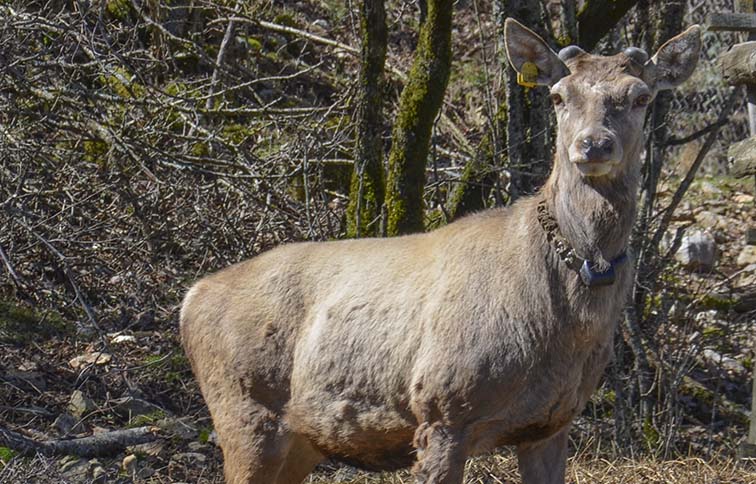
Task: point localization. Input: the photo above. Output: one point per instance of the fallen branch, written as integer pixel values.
(106, 443)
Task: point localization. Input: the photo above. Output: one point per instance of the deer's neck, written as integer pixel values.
(594, 214)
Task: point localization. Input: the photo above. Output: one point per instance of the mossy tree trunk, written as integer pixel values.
(563, 18)
(367, 190)
(480, 175)
(418, 107)
(529, 112)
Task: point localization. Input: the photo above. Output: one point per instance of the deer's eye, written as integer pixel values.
(556, 99)
(642, 100)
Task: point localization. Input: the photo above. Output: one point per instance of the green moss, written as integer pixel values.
(254, 44)
(650, 434)
(711, 332)
(716, 301)
(200, 149)
(418, 107)
(435, 218)
(237, 133)
(20, 324)
(122, 83)
(119, 9)
(6, 454)
(95, 151)
(204, 434)
(147, 419)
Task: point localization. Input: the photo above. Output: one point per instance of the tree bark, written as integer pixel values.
(367, 188)
(418, 107)
(563, 19)
(107, 443)
(529, 126)
(598, 17)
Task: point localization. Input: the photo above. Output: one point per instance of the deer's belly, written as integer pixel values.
(368, 435)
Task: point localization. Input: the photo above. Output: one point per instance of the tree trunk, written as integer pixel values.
(418, 107)
(563, 19)
(367, 189)
(529, 126)
(480, 174)
(598, 17)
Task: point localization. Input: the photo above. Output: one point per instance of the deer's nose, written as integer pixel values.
(597, 148)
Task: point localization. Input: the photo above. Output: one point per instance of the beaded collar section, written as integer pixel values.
(586, 269)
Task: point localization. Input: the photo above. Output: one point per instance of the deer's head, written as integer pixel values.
(600, 101)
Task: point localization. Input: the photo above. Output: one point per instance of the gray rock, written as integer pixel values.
(80, 404)
(190, 458)
(709, 188)
(709, 318)
(64, 423)
(130, 407)
(747, 256)
(708, 220)
(73, 467)
(724, 362)
(179, 427)
(698, 251)
(97, 471)
(197, 446)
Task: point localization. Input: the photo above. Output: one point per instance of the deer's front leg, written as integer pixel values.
(544, 462)
(441, 455)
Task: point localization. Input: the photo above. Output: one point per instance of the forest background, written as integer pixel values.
(144, 144)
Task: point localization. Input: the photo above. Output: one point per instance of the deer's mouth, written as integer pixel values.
(595, 168)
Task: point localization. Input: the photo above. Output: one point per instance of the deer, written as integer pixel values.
(423, 350)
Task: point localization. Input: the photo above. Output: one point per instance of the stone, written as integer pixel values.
(746, 277)
(97, 471)
(197, 446)
(709, 188)
(747, 256)
(64, 423)
(190, 458)
(79, 404)
(707, 219)
(698, 251)
(725, 362)
(123, 339)
(179, 427)
(130, 407)
(96, 358)
(74, 467)
(129, 464)
(709, 318)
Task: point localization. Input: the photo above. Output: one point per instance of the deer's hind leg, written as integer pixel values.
(544, 462)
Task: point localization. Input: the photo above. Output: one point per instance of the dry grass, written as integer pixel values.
(502, 469)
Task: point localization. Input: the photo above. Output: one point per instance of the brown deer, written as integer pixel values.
(430, 348)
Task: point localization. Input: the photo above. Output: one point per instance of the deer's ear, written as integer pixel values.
(675, 61)
(531, 57)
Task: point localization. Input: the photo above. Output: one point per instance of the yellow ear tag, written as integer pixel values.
(528, 75)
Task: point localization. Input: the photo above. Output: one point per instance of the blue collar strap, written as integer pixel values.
(585, 268)
(591, 277)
